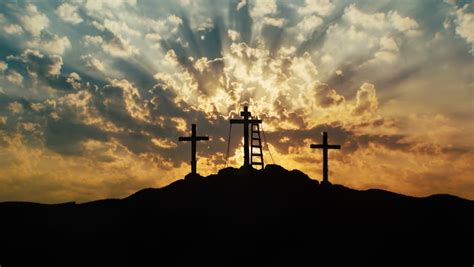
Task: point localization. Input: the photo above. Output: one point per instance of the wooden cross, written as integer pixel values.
(246, 121)
(325, 147)
(193, 138)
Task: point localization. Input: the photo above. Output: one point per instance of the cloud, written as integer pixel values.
(276, 22)
(52, 44)
(15, 107)
(14, 77)
(74, 79)
(380, 21)
(307, 26)
(93, 62)
(69, 13)
(13, 29)
(100, 5)
(132, 99)
(34, 21)
(92, 39)
(119, 47)
(120, 28)
(241, 4)
(3, 66)
(155, 37)
(38, 63)
(366, 100)
(465, 24)
(263, 8)
(319, 7)
(233, 35)
(403, 24)
(164, 143)
(325, 96)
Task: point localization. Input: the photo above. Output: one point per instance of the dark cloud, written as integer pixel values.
(349, 139)
(325, 96)
(65, 137)
(240, 20)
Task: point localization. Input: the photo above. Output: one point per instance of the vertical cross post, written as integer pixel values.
(246, 115)
(193, 139)
(325, 146)
(246, 121)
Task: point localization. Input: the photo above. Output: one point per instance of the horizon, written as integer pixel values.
(94, 94)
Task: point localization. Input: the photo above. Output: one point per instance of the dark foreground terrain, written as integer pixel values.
(242, 218)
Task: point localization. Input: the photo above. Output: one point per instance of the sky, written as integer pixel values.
(95, 93)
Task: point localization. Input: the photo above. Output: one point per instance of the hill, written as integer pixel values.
(241, 217)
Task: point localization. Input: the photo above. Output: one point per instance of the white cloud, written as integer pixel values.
(155, 37)
(307, 26)
(164, 143)
(277, 22)
(120, 28)
(98, 26)
(164, 27)
(465, 25)
(90, 39)
(363, 20)
(55, 68)
(14, 77)
(264, 7)
(403, 24)
(366, 100)
(34, 21)
(13, 29)
(15, 107)
(3, 66)
(74, 80)
(53, 44)
(380, 21)
(99, 5)
(241, 4)
(93, 62)
(69, 13)
(388, 43)
(320, 7)
(174, 20)
(233, 35)
(119, 47)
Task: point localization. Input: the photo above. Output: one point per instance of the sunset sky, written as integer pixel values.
(95, 93)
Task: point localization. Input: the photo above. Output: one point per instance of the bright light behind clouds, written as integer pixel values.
(94, 94)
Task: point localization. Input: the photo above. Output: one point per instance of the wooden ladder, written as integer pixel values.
(256, 144)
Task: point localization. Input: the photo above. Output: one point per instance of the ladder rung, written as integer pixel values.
(254, 155)
(255, 139)
(257, 163)
(257, 146)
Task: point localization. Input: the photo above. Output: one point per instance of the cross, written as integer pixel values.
(325, 147)
(246, 121)
(193, 138)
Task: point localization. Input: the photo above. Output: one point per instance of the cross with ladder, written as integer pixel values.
(246, 121)
(325, 147)
(193, 139)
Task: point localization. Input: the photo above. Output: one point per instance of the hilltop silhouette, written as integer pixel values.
(241, 217)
